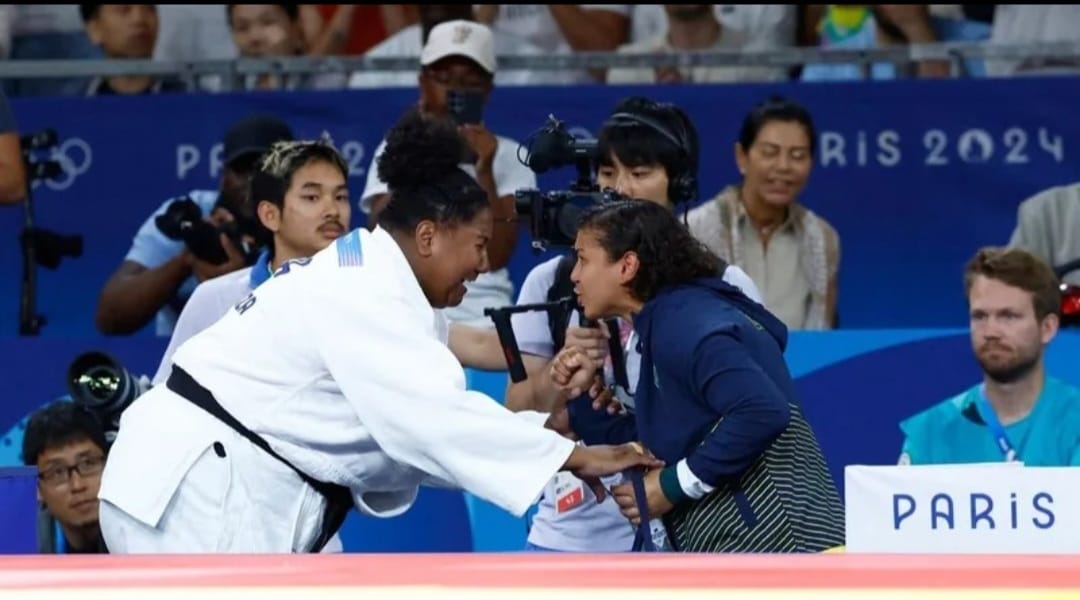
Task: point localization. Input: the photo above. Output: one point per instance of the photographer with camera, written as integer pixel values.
(189, 240)
(645, 151)
(456, 78)
(67, 445)
(12, 170)
(300, 195)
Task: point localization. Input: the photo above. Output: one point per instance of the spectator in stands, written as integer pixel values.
(68, 447)
(125, 31)
(459, 57)
(1018, 24)
(300, 195)
(1048, 225)
(1018, 412)
(792, 254)
(871, 26)
(351, 29)
(768, 25)
(714, 398)
(648, 152)
(694, 27)
(159, 274)
(410, 41)
(273, 31)
(12, 167)
(193, 32)
(45, 32)
(562, 28)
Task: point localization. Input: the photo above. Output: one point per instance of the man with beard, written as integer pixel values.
(1018, 412)
(159, 274)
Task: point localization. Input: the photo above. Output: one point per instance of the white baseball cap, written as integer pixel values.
(460, 38)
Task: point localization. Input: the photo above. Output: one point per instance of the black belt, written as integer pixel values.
(338, 498)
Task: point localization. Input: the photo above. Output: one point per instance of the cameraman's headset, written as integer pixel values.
(684, 186)
(681, 188)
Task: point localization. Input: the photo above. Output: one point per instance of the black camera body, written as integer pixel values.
(183, 220)
(554, 215)
(101, 385)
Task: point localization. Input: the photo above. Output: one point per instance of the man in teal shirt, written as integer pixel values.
(1018, 412)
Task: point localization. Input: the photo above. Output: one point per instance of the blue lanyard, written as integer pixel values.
(60, 539)
(643, 541)
(995, 427)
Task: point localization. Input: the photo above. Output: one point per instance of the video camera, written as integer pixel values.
(101, 385)
(554, 220)
(183, 220)
(554, 215)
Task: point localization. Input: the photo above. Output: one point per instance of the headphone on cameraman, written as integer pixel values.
(684, 186)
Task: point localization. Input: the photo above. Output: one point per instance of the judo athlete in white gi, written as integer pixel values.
(300, 204)
(342, 389)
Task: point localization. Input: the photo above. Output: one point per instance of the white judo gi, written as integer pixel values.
(341, 365)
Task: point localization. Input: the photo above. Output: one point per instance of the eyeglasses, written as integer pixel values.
(60, 475)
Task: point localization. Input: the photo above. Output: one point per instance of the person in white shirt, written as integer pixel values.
(409, 42)
(300, 198)
(646, 151)
(331, 386)
(770, 25)
(459, 57)
(694, 27)
(562, 28)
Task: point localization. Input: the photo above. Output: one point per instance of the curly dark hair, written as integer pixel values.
(420, 167)
(667, 252)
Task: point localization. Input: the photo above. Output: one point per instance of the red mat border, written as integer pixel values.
(546, 571)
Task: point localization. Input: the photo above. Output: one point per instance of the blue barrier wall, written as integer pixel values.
(18, 510)
(855, 386)
(914, 174)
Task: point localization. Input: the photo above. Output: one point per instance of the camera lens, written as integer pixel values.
(95, 379)
(99, 384)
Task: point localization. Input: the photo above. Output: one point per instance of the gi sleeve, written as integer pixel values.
(409, 392)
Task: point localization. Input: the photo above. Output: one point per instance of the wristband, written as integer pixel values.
(670, 486)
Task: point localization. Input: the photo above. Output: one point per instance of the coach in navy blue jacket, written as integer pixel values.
(714, 398)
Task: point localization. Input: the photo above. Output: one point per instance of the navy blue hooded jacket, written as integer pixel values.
(706, 359)
(714, 389)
